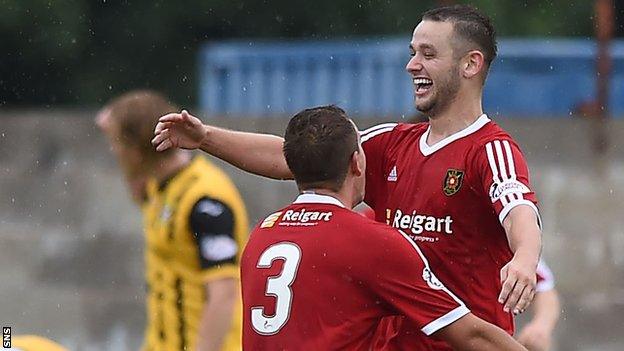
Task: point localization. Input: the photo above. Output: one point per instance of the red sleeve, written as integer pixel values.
(403, 280)
(505, 176)
(375, 141)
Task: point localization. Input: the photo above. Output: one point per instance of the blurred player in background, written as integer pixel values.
(306, 272)
(546, 308)
(195, 227)
(459, 184)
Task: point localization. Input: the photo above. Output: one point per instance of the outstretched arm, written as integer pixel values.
(471, 333)
(256, 153)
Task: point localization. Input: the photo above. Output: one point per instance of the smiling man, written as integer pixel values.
(458, 184)
(460, 169)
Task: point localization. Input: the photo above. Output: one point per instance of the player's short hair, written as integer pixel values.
(470, 26)
(135, 114)
(318, 145)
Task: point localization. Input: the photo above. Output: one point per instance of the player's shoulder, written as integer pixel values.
(204, 170)
(208, 180)
(394, 131)
(489, 132)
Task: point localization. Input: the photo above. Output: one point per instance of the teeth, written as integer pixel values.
(422, 81)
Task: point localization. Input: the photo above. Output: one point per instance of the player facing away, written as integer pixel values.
(317, 276)
(195, 227)
(459, 184)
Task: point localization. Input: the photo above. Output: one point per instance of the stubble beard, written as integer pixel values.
(443, 96)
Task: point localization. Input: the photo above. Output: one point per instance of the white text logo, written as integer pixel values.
(418, 223)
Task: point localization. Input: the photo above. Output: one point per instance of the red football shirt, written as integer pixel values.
(451, 197)
(317, 276)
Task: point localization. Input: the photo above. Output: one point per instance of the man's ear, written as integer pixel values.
(472, 64)
(355, 165)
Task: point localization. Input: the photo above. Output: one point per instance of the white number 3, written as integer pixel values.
(278, 286)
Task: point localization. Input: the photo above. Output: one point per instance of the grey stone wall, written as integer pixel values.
(71, 243)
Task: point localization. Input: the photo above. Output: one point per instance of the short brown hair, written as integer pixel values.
(470, 25)
(318, 145)
(136, 114)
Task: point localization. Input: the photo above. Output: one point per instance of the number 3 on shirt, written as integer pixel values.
(278, 286)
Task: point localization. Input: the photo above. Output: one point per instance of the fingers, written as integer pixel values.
(162, 140)
(525, 299)
(185, 115)
(516, 294)
(508, 284)
(173, 117)
(166, 144)
(512, 302)
(160, 126)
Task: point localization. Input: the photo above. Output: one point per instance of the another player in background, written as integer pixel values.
(546, 309)
(317, 276)
(459, 184)
(195, 227)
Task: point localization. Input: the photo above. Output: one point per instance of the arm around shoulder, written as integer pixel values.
(255, 153)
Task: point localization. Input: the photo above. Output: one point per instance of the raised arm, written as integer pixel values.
(256, 153)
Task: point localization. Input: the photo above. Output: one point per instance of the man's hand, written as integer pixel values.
(178, 130)
(519, 280)
(535, 337)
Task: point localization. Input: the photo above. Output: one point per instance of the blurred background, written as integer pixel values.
(71, 264)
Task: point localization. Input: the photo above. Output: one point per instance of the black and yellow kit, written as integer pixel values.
(195, 227)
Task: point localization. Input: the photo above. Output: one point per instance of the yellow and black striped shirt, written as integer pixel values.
(180, 260)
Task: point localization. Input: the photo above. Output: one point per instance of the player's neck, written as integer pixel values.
(341, 196)
(460, 114)
(168, 168)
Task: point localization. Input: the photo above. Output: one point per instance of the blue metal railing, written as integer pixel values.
(544, 77)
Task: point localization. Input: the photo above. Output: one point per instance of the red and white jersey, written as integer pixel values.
(545, 277)
(317, 276)
(451, 198)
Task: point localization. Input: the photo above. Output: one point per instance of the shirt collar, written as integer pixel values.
(475, 126)
(312, 198)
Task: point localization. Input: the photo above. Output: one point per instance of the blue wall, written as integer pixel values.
(545, 77)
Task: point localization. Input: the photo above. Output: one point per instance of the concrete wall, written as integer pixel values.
(71, 244)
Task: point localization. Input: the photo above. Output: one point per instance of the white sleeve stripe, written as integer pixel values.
(377, 127)
(374, 134)
(445, 320)
(490, 156)
(501, 160)
(503, 214)
(424, 259)
(510, 160)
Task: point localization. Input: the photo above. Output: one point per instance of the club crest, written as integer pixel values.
(453, 181)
